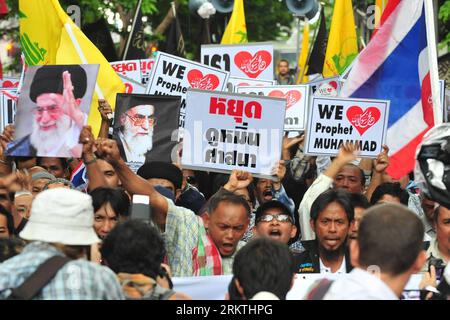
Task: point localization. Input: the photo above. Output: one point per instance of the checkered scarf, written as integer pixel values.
(206, 259)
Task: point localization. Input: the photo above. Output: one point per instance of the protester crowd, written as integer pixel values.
(316, 215)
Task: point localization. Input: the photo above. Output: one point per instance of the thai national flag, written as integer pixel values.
(78, 177)
(395, 66)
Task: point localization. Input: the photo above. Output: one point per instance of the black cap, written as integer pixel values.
(49, 79)
(161, 170)
(273, 204)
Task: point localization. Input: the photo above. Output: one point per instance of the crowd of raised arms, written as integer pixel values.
(318, 215)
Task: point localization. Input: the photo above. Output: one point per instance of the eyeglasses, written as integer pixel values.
(139, 119)
(278, 217)
(49, 109)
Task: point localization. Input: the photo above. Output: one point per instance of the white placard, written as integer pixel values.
(330, 87)
(135, 70)
(333, 121)
(8, 102)
(253, 60)
(443, 102)
(235, 82)
(232, 131)
(215, 287)
(296, 102)
(172, 75)
(9, 82)
(132, 86)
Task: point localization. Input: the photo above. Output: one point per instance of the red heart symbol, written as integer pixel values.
(333, 84)
(292, 96)
(253, 65)
(198, 81)
(10, 84)
(363, 121)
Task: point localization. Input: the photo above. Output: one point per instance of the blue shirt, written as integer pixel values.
(76, 280)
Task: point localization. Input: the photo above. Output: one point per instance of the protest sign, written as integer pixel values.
(143, 126)
(132, 86)
(330, 87)
(8, 100)
(216, 287)
(136, 70)
(296, 98)
(172, 75)
(50, 116)
(234, 82)
(252, 60)
(9, 82)
(232, 131)
(443, 100)
(333, 121)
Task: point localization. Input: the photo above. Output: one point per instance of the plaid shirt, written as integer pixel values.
(182, 236)
(77, 280)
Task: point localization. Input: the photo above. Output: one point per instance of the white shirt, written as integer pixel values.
(359, 285)
(324, 269)
(320, 185)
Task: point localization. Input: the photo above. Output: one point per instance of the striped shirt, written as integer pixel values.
(76, 280)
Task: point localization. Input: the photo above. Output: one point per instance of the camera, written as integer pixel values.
(438, 264)
(140, 208)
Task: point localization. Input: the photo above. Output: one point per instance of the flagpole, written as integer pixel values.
(310, 49)
(127, 46)
(432, 58)
(83, 59)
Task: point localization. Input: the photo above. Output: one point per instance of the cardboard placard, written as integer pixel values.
(9, 82)
(172, 75)
(143, 126)
(8, 102)
(135, 70)
(252, 60)
(330, 87)
(296, 97)
(49, 119)
(235, 82)
(232, 131)
(333, 121)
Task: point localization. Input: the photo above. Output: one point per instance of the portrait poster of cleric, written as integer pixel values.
(53, 106)
(144, 126)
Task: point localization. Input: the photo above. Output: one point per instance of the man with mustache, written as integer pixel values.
(58, 119)
(332, 216)
(136, 133)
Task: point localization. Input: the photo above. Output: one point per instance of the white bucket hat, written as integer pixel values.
(61, 216)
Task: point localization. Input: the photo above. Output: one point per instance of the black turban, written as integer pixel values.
(49, 79)
(161, 170)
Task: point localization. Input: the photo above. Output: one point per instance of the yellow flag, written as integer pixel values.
(380, 5)
(236, 31)
(49, 36)
(302, 67)
(342, 42)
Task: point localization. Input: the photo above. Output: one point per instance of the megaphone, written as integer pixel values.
(305, 8)
(224, 6)
(195, 4)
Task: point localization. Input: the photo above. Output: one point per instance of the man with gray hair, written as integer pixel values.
(136, 132)
(53, 266)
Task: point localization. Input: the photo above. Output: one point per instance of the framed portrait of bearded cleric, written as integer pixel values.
(52, 109)
(146, 127)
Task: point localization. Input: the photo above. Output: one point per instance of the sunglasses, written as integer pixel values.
(278, 217)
